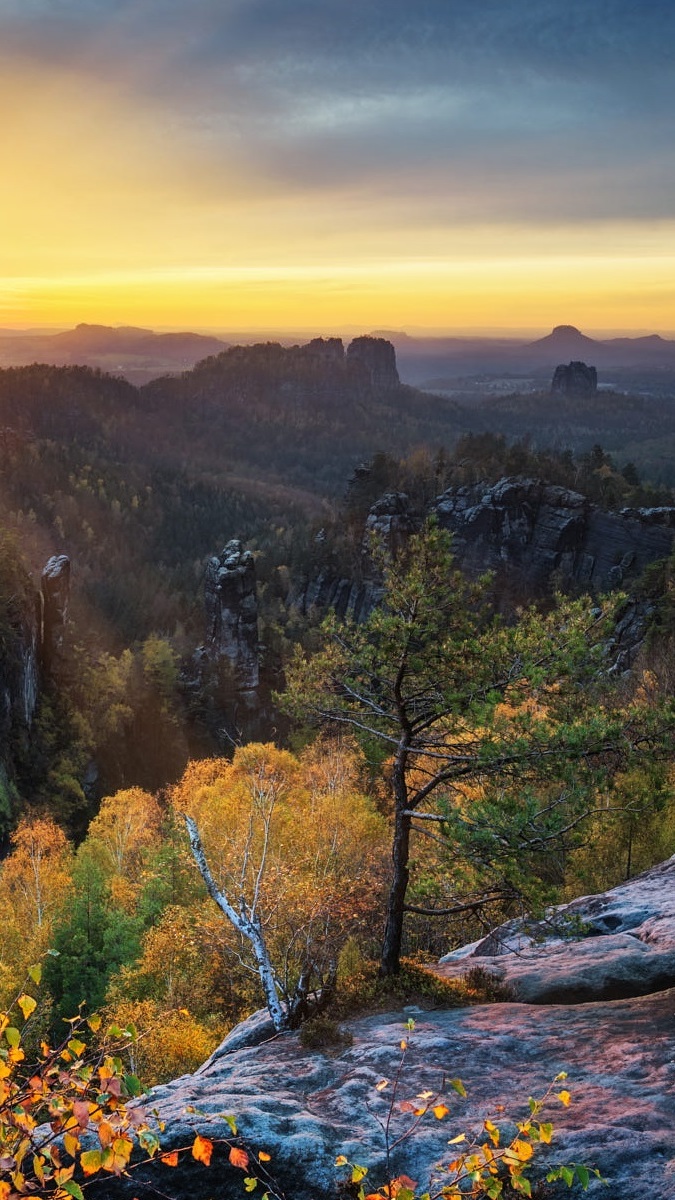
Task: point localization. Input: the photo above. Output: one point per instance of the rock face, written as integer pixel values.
(532, 530)
(575, 379)
(55, 599)
(379, 358)
(304, 1108)
(231, 608)
(31, 637)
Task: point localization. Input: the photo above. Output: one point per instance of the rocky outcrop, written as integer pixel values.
(379, 358)
(390, 522)
(55, 599)
(531, 535)
(329, 349)
(537, 532)
(304, 1108)
(575, 379)
(231, 607)
(605, 947)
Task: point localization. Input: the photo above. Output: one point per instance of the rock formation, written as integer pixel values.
(231, 606)
(330, 349)
(575, 379)
(607, 947)
(304, 1108)
(55, 600)
(390, 521)
(30, 646)
(532, 530)
(379, 358)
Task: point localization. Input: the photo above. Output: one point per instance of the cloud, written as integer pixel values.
(561, 108)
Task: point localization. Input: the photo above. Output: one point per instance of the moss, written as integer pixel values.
(362, 990)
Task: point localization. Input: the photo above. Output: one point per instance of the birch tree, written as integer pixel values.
(292, 854)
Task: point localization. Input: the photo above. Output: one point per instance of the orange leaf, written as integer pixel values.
(202, 1149)
(440, 1111)
(170, 1160)
(238, 1158)
(404, 1181)
(264, 1157)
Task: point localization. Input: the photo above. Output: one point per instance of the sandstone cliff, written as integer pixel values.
(231, 607)
(31, 635)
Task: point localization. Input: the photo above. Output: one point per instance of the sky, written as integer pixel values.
(326, 164)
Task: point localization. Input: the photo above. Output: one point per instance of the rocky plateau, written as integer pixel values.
(592, 996)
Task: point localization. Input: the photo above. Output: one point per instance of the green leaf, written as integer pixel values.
(149, 1141)
(583, 1175)
(12, 1037)
(73, 1189)
(35, 973)
(458, 1086)
(250, 1183)
(133, 1085)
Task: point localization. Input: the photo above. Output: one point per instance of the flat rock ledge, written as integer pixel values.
(305, 1108)
(590, 965)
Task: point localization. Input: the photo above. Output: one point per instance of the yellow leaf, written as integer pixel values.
(27, 1004)
(35, 973)
(90, 1161)
(264, 1157)
(522, 1149)
(440, 1111)
(71, 1144)
(202, 1149)
(379, 1087)
(457, 1140)
(564, 1097)
(493, 1132)
(238, 1158)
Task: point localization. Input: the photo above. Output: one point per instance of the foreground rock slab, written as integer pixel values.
(304, 1108)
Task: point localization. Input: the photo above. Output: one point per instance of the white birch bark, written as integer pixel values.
(246, 922)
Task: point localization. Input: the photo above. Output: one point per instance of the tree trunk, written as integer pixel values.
(400, 854)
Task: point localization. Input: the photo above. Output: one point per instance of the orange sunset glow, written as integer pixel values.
(239, 170)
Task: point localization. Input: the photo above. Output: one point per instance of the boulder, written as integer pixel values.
(618, 944)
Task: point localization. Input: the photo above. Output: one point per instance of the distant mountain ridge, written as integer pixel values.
(422, 359)
(138, 354)
(142, 355)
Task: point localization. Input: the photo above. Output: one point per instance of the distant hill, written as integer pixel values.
(424, 359)
(138, 354)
